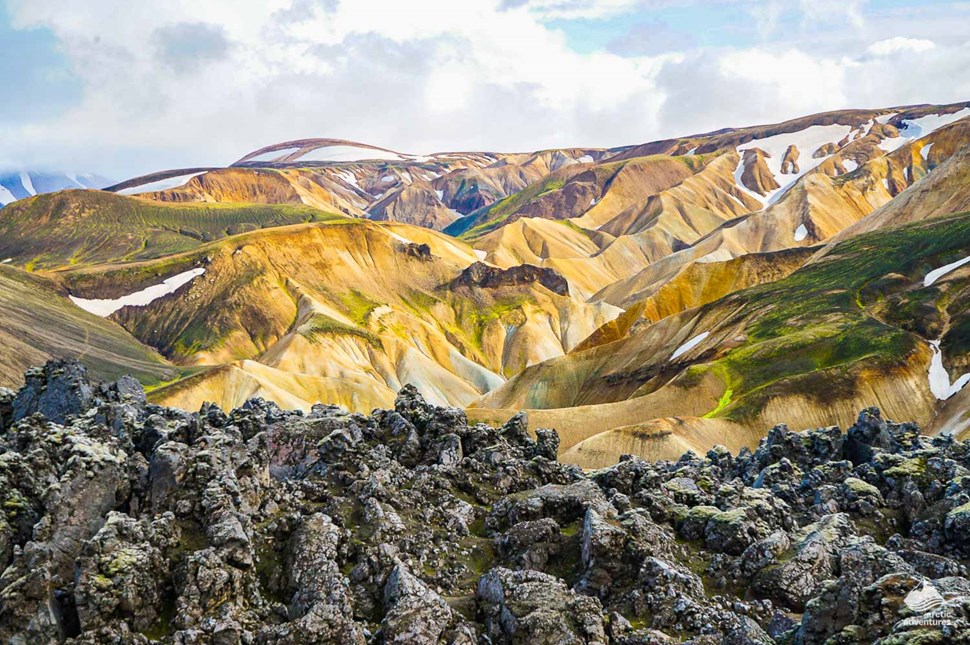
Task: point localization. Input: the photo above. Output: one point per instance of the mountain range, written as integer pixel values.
(646, 299)
(21, 184)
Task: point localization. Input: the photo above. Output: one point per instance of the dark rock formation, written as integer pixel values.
(125, 522)
(484, 276)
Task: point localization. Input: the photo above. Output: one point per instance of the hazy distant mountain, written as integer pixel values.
(18, 184)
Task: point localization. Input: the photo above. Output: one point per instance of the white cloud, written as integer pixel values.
(419, 77)
(898, 44)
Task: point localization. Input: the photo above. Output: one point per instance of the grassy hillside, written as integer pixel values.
(82, 227)
(37, 323)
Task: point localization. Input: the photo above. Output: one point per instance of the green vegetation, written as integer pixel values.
(805, 333)
(357, 305)
(476, 317)
(38, 322)
(85, 227)
(323, 325)
(724, 401)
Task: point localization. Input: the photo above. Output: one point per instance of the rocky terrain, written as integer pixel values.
(126, 522)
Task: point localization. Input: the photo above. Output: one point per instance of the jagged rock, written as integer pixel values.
(413, 612)
(58, 390)
(122, 574)
(320, 607)
(957, 527)
(756, 176)
(794, 581)
(482, 275)
(7, 397)
(529, 545)
(601, 547)
(566, 504)
(534, 607)
(547, 443)
(125, 520)
(733, 531)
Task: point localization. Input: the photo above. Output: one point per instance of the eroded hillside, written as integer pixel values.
(647, 299)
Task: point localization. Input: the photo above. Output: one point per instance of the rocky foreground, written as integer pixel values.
(125, 522)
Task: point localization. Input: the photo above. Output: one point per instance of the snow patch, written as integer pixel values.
(917, 128)
(936, 274)
(387, 179)
(801, 233)
(348, 177)
(480, 254)
(161, 184)
(585, 159)
(141, 298)
(940, 384)
(440, 194)
(720, 255)
(689, 345)
(28, 185)
(7, 261)
(690, 153)
(885, 182)
(924, 125)
(6, 197)
(891, 145)
(925, 150)
(807, 141)
(849, 165)
(731, 195)
(884, 119)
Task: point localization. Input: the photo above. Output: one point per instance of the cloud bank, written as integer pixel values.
(186, 83)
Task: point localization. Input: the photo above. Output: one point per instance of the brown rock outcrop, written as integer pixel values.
(789, 163)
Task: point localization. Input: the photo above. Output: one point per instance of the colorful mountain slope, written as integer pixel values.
(350, 304)
(645, 299)
(853, 326)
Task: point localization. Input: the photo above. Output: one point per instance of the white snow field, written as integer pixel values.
(940, 384)
(689, 345)
(936, 274)
(161, 184)
(807, 141)
(106, 307)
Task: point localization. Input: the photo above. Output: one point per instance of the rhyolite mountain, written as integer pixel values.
(645, 300)
(334, 393)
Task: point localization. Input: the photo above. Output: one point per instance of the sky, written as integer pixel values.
(126, 87)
